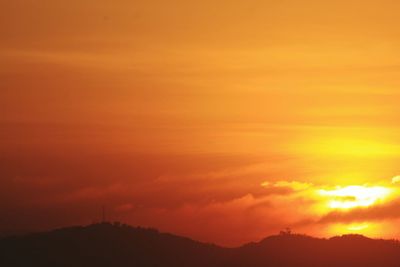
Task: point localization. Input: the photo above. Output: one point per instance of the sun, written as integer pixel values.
(355, 196)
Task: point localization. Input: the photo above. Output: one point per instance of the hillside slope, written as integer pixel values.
(106, 245)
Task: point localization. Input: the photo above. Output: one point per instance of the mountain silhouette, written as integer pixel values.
(120, 245)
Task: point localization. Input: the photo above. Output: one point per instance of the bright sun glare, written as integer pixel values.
(354, 196)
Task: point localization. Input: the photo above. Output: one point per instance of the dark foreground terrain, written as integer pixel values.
(117, 245)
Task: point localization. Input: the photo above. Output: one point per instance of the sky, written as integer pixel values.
(224, 121)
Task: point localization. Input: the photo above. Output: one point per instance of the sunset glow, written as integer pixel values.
(355, 196)
(224, 121)
(363, 228)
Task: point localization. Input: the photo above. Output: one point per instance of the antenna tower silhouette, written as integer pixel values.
(103, 214)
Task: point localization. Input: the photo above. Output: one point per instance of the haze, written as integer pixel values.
(224, 121)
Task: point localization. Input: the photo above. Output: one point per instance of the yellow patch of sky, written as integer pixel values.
(342, 198)
(355, 196)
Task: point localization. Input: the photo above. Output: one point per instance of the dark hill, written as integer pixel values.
(299, 250)
(106, 245)
(121, 245)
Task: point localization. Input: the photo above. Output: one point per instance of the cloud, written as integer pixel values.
(284, 187)
(387, 211)
(327, 205)
(292, 185)
(396, 179)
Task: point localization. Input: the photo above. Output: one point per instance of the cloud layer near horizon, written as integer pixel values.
(179, 198)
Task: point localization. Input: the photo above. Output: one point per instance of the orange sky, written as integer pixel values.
(224, 121)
